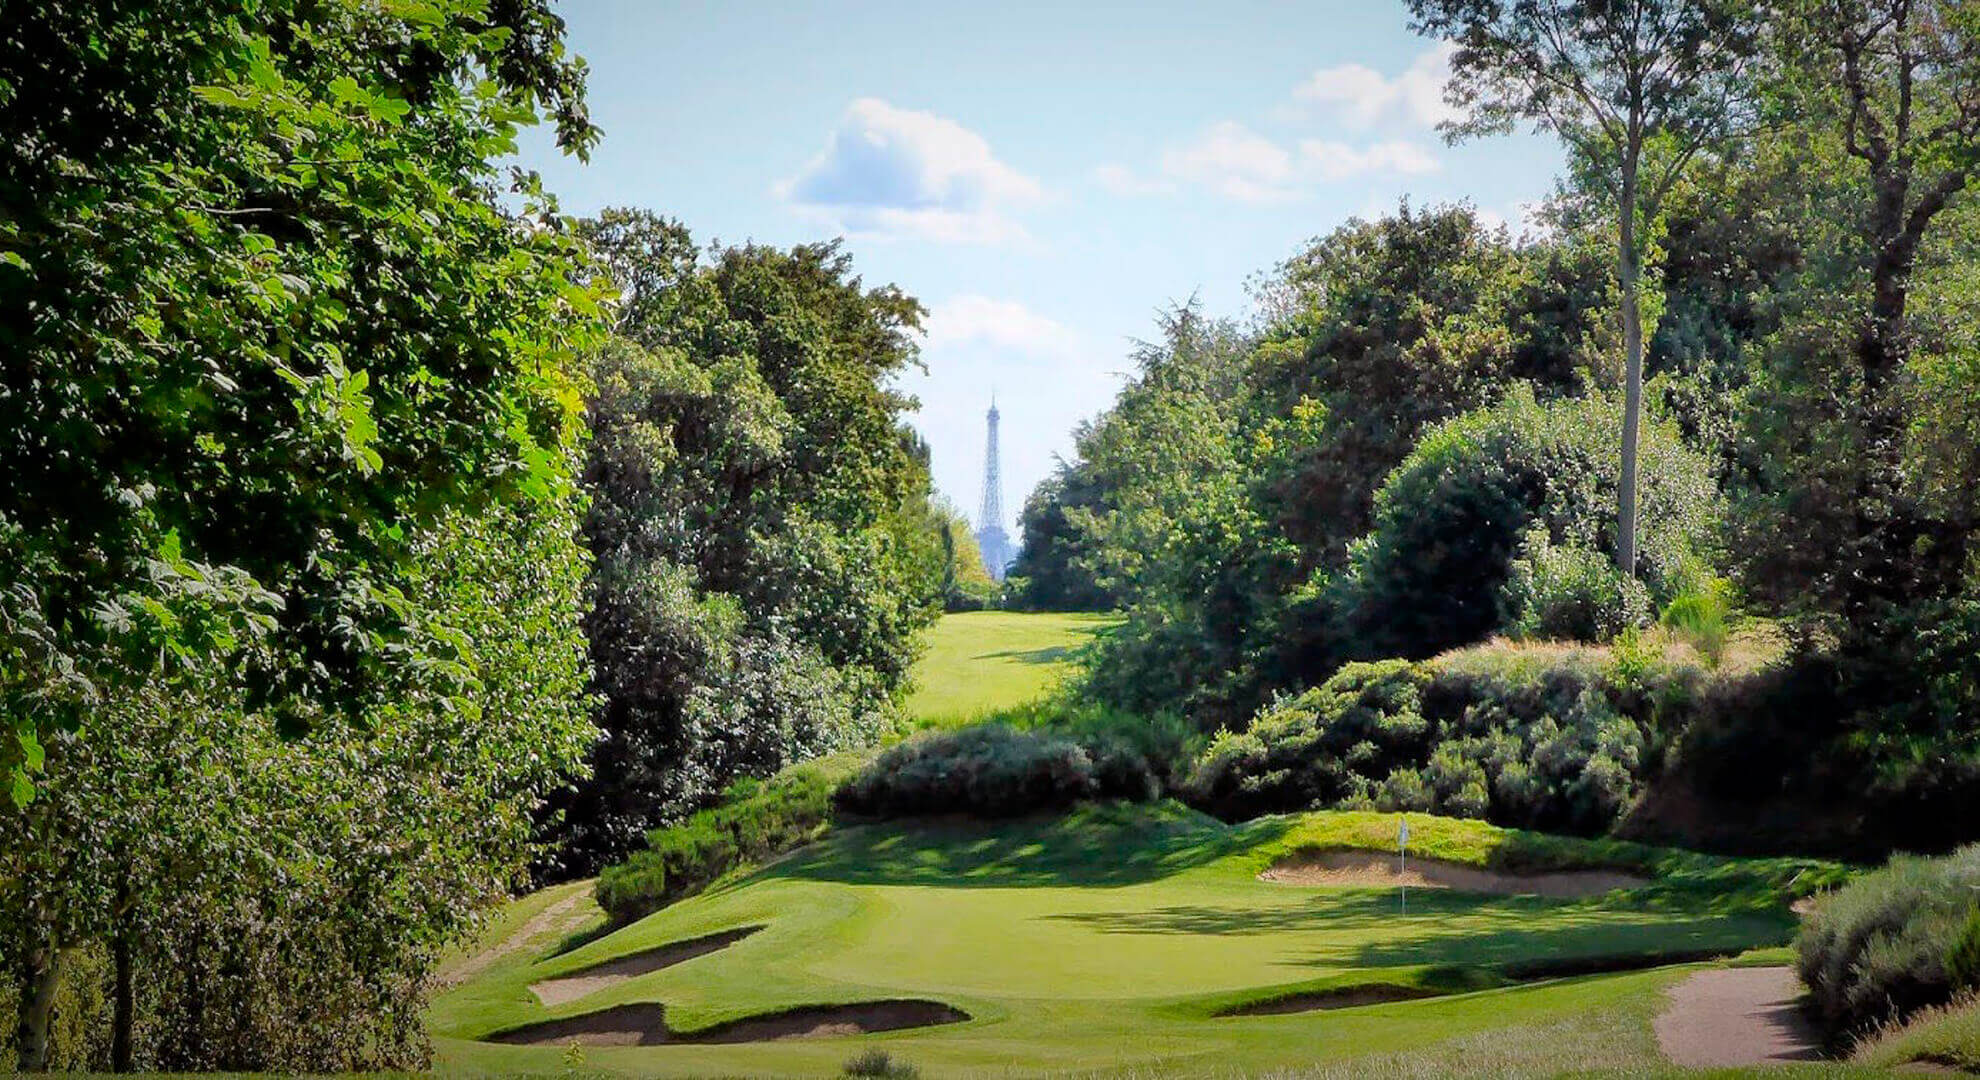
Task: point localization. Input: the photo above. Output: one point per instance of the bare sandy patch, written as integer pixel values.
(567, 988)
(646, 1025)
(1369, 869)
(562, 917)
(1737, 1016)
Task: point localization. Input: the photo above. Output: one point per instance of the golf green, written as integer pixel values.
(1111, 939)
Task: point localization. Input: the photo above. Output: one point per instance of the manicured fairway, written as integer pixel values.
(981, 661)
(1109, 939)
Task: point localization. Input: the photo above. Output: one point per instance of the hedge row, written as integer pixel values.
(757, 820)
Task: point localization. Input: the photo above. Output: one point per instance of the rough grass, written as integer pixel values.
(1947, 1035)
(1104, 941)
(980, 662)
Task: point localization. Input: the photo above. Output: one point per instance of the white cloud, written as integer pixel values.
(1237, 162)
(1241, 164)
(1121, 180)
(974, 319)
(894, 171)
(1362, 96)
(1340, 161)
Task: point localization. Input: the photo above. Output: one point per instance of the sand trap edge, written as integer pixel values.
(586, 981)
(646, 1025)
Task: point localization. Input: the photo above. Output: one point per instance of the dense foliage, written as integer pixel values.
(1422, 440)
(765, 548)
(289, 587)
(1893, 941)
(994, 770)
(1554, 738)
(754, 821)
(1502, 519)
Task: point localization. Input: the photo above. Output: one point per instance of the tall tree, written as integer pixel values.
(266, 320)
(764, 553)
(1900, 81)
(1637, 88)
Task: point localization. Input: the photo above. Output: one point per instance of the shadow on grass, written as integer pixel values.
(1344, 911)
(1528, 953)
(577, 939)
(1093, 845)
(1052, 654)
(1522, 937)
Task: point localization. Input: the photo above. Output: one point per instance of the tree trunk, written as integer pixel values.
(124, 1004)
(1630, 273)
(41, 977)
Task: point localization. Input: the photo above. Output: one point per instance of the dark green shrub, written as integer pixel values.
(756, 820)
(1329, 746)
(1544, 738)
(1451, 518)
(1130, 751)
(1569, 593)
(993, 770)
(1887, 944)
(879, 1063)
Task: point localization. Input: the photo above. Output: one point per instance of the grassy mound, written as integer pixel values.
(1113, 938)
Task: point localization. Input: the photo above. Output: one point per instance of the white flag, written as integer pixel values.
(1402, 835)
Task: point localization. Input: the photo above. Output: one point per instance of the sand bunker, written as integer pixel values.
(565, 988)
(646, 1025)
(1368, 869)
(1730, 1017)
(1346, 997)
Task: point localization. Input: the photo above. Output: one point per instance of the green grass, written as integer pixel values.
(1105, 940)
(980, 662)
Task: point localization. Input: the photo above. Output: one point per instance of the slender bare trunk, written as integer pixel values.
(1630, 272)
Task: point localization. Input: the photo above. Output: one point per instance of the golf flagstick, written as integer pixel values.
(1402, 860)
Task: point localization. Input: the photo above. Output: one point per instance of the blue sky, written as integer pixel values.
(1043, 177)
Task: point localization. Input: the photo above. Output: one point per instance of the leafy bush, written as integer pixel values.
(1567, 592)
(879, 1063)
(1888, 944)
(757, 820)
(1132, 752)
(994, 770)
(1538, 738)
(1450, 520)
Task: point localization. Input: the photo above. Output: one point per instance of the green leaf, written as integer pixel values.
(225, 96)
(345, 89)
(423, 12)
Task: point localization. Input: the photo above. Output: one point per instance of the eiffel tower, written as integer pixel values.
(991, 538)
